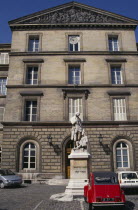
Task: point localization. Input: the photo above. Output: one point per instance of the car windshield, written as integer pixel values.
(106, 180)
(129, 176)
(6, 172)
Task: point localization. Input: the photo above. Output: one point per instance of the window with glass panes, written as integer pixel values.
(31, 110)
(75, 105)
(32, 75)
(4, 58)
(29, 156)
(33, 43)
(122, 155)
(116, 75)
(113, 43)
(119, 109)
(74, 75)
(74, 42)
(3, 83)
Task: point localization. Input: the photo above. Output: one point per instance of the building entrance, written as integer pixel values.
(69, 146)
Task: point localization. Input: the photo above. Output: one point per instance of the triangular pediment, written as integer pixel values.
(72, 13)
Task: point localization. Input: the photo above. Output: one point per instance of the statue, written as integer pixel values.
(77, 133)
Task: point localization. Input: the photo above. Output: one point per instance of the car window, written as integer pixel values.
(6, 172)
(129, 176)
(106, 180)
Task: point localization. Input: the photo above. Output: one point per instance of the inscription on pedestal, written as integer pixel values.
(79, 169)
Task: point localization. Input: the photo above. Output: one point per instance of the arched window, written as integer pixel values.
(29, 156)
(122, 155)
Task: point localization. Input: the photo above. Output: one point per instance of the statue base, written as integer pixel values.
(79, 170)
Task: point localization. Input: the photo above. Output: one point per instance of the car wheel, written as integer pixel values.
(85, 199)
(1, 185)
(91, 206)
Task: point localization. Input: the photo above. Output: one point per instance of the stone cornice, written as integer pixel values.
(75, 87)
(33, 60)
(84, 91)
(118, 92)
(68, 124)
(116, 60)
(75, 60)
(73, 26)
(31, 93)
(5, 47)
(56, 53)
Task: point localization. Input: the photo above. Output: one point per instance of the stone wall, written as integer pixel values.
(51, 164)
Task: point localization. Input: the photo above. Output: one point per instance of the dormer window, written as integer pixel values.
(33, 44)
(113, 43)
(74, 42)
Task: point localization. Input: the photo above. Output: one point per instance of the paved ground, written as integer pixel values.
(37, 197)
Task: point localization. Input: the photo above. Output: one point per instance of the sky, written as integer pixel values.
(12, 9)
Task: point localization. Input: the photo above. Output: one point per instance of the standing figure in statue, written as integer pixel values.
(76, 132)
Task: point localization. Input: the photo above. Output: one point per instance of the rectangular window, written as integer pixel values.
(33, 43)
(31, 111)
(75, 105)
(1, 113)
(113, 43)
(3, 89)
(119, 108)
(74, 75)
(74, 42)
(4, 58)
(116, 75)
(32, 75)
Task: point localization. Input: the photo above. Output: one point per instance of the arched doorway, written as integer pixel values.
(68, 148)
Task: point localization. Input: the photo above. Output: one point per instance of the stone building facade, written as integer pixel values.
(67, 59)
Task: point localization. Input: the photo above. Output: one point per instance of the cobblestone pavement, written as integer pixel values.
(37, 197)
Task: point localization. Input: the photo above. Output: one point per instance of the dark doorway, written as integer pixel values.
(68, 148)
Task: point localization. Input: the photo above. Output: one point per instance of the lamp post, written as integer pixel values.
(106, 147)
(56, 147)
(100, 139)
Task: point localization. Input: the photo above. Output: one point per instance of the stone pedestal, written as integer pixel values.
(79, 170)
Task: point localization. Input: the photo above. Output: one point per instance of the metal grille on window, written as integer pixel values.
(29, 156)
(119, 107)
(3, 89)
(31, 111)
(75, 105)
(33, 44)
(74, 43)
(116, 75)
(4, 58)
(122, 155)
(74, 75)
(113, 43)
(32, 75)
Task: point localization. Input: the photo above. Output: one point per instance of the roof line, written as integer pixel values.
(69, 4)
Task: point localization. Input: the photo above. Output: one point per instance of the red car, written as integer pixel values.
(104, 190)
